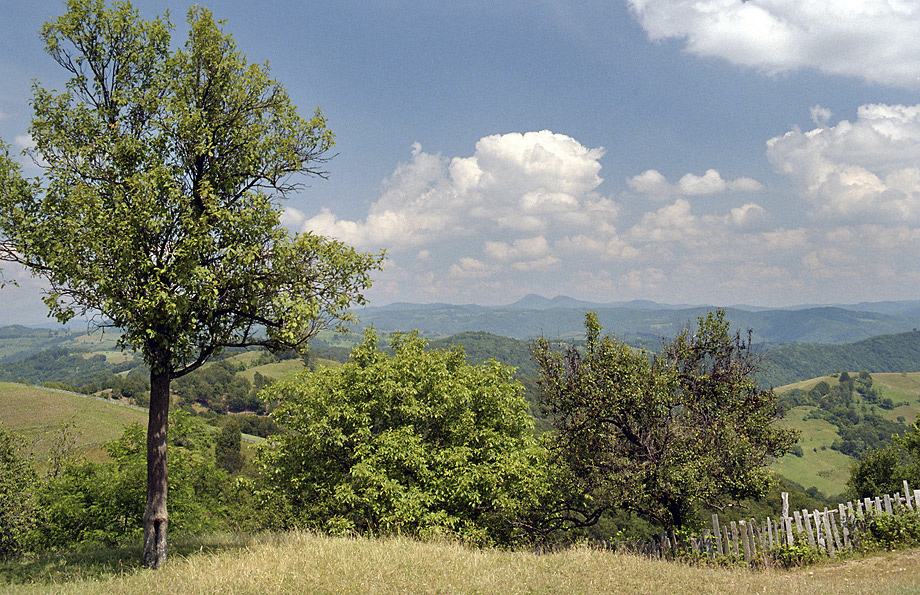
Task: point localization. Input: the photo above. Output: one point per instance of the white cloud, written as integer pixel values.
(874, 40)
(867, 170)
(471, 268)
(820, 115)
(523, 213)
(653, 184)
(523, 249)
(23, 142)
(513, 183)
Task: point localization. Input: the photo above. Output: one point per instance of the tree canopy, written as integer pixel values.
(657, 435)
(157, 208)
(419, 443)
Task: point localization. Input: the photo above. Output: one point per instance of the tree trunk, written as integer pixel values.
(155, 517)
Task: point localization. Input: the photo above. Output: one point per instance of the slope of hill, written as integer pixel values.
(885, 353)
(820, 464)
(481, 346)
(37, 413)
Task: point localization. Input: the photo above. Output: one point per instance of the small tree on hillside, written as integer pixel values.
(157, 208)
(658, 436)
(228, 447)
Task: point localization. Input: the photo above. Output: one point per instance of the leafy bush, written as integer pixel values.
(17, 505)
(898, 530)
(794, 556)
(421, 443)
(103, 503)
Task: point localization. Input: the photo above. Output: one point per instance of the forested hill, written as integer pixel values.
(783, 365)
(480, 346)
(635, 322)
(886, 353)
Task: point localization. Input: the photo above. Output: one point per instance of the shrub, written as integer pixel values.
(421, 443)
(794, 556)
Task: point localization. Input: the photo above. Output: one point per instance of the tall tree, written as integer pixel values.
(658, 435)
(157, 210)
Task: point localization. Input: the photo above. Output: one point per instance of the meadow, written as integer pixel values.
(38, 413)
(825, 468)
(307, 563)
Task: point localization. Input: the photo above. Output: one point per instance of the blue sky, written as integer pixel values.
(711, 151)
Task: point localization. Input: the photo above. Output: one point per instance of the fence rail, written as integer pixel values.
(831, 530)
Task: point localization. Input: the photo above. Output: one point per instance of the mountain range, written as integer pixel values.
(563, 317)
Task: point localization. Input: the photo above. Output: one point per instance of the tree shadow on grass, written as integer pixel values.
(88, 562)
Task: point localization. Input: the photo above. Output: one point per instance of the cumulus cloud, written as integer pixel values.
(23, 142)
(857, 171)
(523, 249)
(874, 40)
(654, 185)
(517, 183)
(523, 213)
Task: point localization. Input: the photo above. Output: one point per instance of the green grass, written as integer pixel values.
(276, 371)
(307, 563)
(826, 469)
(36, 413)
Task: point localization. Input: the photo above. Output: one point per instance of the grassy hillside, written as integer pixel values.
(306, 563)
(36, 413)
(819, 465)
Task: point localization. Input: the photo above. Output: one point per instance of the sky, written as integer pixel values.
(714, 152)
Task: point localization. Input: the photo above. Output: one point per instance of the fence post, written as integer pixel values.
(820, 535)
(744, 540)
(735, 546)
(718, 533)
(829, 537)
(811, 534)
(831, 517)
(787, 522)
(844, 526)
(887, 504)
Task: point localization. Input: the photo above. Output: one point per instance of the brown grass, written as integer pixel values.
(306, 563)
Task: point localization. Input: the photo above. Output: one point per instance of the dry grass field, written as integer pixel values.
(307, 563)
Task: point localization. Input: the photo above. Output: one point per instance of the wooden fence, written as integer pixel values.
(830, 530)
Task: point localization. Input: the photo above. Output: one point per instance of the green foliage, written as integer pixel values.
(179, 244)
(157, 210)
(419, 443)
(219, 388)
(883, 470)
(103, 503)
(891, 531)
(849, 406)
(658, 436)
(17, 505)
(227, 447)
(794, 556)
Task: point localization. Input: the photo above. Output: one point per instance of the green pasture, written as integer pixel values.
(37, 413)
